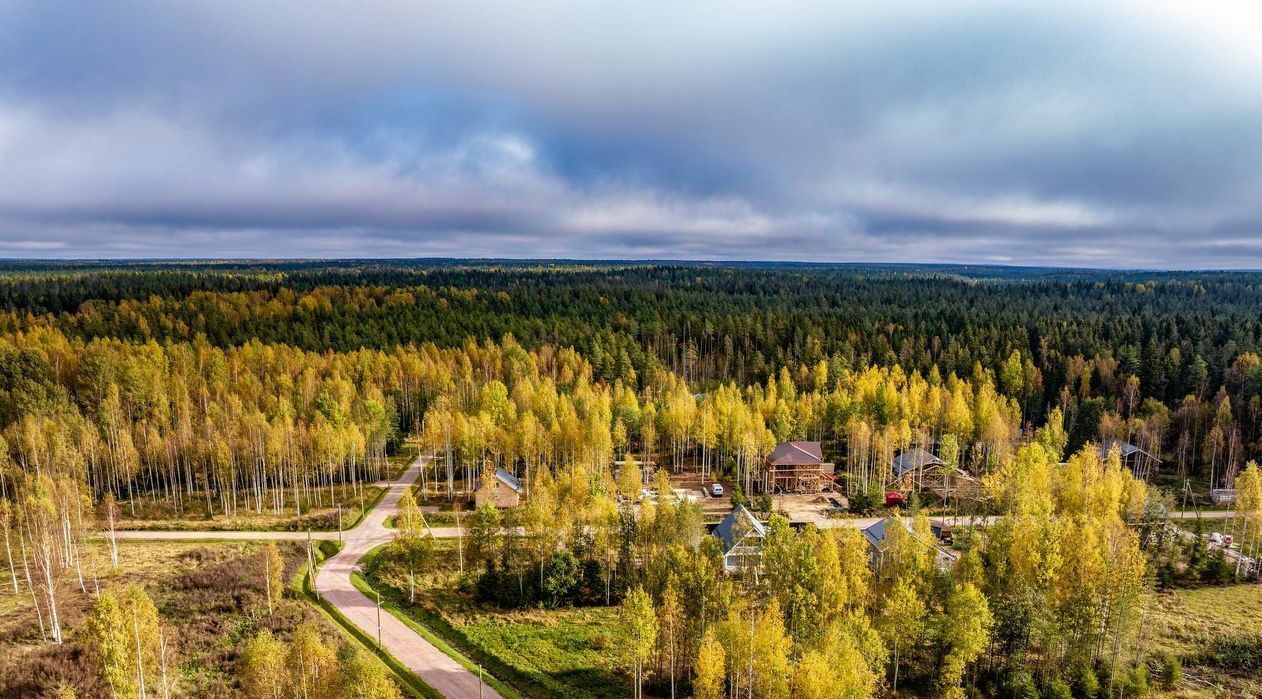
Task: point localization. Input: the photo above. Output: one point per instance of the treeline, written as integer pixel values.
(254, 427)
(1175, 350)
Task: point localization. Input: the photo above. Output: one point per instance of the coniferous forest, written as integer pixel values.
(210, 390)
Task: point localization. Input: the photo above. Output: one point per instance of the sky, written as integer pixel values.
(1123, 134)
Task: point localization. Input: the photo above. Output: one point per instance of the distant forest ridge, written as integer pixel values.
(1167, 359)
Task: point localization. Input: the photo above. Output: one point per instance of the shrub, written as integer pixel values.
(1134, 684)
(864, 503)
(1086, 684)
(1057, 689)
(764, 503)
(1234, 653)
(1171, 671)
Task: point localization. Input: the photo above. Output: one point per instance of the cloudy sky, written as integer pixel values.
(1121, 134)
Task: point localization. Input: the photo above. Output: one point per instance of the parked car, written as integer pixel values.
(1216, 539)
(1228, 540)
(716, 490)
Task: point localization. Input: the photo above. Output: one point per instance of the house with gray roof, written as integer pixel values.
(740, 535)
(879, 543)
(504, 490)
(1140, 462)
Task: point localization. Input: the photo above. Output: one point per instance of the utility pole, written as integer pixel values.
(479, 682)
(311, 571)
(339, 523)
(378, 619)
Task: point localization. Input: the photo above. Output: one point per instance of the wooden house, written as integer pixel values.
(504, 490)
(797, 467)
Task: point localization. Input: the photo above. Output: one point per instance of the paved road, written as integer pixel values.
(333, 581)
(453, 532)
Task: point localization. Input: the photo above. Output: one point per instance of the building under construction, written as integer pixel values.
(797, 467)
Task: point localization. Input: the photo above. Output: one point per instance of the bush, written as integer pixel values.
(1086, 684)
(1171, 671)
(1134, 684)
(1234, 653)
(864, 503)
(1021, 686)
(1057, 689)
(764, 503)
(1216, 570)
(738, 497)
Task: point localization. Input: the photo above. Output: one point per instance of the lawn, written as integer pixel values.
(1184, 622)
(567, 652)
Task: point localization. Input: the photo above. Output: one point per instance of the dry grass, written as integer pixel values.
(160, 515)
(209, 595)
(1183, 622)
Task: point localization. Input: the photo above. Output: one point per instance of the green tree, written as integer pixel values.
(313, 664)
(965, 634)
(484, 533)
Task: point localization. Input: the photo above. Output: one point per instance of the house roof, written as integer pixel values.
(508, 479)
(796, 454)
(875, 534)
(913, 460)
(729, 530)
(1126, 449)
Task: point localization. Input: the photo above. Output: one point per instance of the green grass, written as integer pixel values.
(568, 652)
(391, 601)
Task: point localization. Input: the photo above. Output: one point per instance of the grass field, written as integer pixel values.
(1184, 622)
(568, 652)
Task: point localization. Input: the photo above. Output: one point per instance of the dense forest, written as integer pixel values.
(1169, 360)
(219, 388)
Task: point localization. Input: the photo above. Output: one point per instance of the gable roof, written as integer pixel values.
(1126, 449)
(508, 479)
(796, 454)
(729, 529)
(913, 460)
(875, 534)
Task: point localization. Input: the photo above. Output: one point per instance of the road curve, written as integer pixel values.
(333, 581)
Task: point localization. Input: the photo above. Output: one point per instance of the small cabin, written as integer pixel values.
(911, 467)
(741, 536)
(877, 537)
(1140, 462)
(504, 490)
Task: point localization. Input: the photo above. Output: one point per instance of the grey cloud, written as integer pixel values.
(1067, 133)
